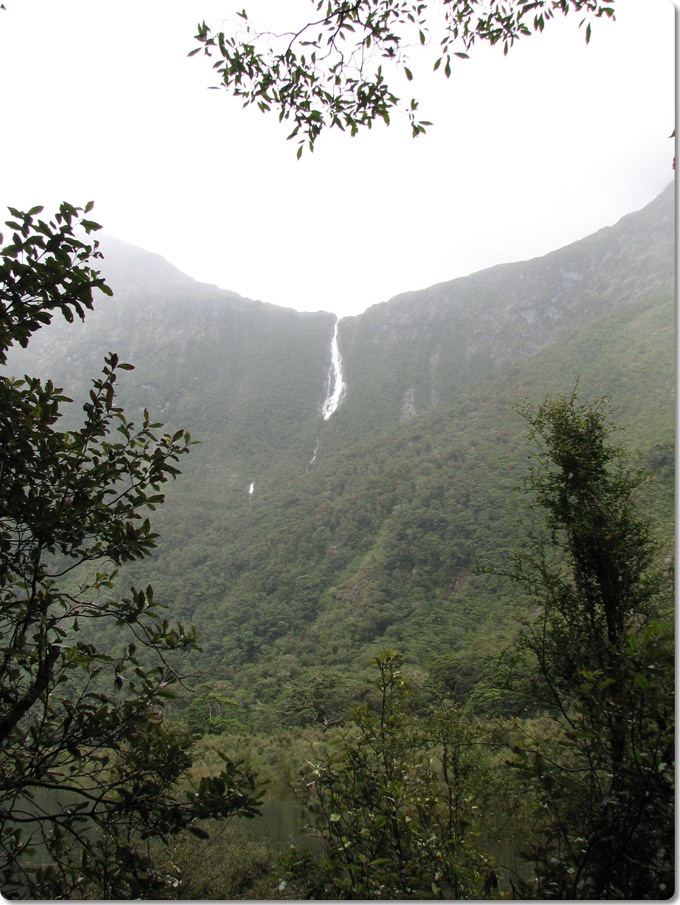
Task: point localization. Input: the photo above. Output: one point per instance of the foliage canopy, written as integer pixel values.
(592, 776)
(328, 72)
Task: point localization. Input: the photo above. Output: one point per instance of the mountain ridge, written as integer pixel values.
(440, 338)
(413, 477)
(124, 250)
(659, 214)
(250, 378)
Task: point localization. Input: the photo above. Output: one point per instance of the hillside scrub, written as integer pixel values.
(373, 545)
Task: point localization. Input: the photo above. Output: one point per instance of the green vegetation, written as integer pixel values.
(328, 72)
(89, 770)
(392, 802)
(589, 781)
(524, 745)
(377, 545)
(603, 644)
(400, 794)
(400, 536)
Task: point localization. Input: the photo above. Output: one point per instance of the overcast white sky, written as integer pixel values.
(527, 153)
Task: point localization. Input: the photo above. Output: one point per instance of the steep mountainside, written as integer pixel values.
(246, 378)
(409, 354)
(249, 379)
(415, 477)
(378, 545)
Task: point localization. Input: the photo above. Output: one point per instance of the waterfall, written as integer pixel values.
(336, 385)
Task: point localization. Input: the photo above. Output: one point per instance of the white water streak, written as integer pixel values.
(336, 384)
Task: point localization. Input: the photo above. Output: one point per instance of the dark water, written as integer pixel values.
(280, 827)
(43, 802)
(280, 823)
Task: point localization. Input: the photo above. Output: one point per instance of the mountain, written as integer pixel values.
(421, 347)
(247, 378)
(363, 530)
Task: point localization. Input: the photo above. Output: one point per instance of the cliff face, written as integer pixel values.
(421, 347)
(250, 378)
(246, 378)
(400, 358)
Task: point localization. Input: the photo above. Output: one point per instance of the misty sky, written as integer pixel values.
(527, 153)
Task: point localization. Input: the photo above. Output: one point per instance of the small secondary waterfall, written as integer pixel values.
(336, 385)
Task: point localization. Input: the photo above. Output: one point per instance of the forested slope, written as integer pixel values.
(293, 586)
(298, 586)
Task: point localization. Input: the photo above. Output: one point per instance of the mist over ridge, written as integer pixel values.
(130, 264)
(233, 368)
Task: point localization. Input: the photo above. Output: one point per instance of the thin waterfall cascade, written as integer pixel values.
(336, 384)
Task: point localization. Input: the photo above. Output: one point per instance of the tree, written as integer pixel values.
(602, 640)
(392, 802)
(89, 771)
(328, 72)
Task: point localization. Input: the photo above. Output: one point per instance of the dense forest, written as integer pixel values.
(441, 618)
